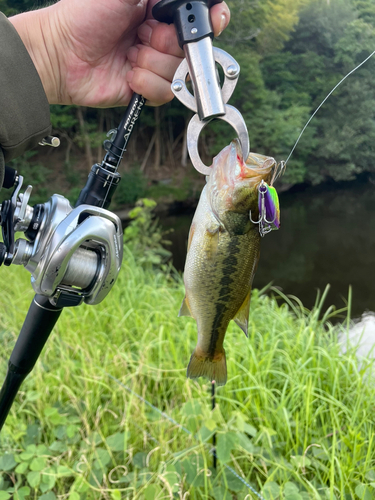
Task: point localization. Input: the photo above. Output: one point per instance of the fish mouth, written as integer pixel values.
(256, 165)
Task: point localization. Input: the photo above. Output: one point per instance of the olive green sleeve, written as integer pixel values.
(24, 109)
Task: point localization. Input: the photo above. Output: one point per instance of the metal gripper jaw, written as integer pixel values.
(195, 34)
(209, 100)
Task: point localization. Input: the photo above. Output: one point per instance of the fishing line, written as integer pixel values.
(321, 104)
(213, 406)
(173, 421)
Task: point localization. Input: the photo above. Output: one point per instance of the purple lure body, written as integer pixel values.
(269, 205)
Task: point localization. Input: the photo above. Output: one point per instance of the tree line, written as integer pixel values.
(291, 53)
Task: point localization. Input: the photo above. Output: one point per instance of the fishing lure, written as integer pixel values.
(269, 209)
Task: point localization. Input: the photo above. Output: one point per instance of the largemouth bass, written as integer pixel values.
(223, 254)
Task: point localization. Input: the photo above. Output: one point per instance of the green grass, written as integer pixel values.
(295, 420)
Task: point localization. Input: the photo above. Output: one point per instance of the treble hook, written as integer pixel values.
(265, 226)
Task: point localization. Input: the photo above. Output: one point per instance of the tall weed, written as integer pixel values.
(295, 420)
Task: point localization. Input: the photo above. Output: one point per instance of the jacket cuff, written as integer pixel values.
(25, 115)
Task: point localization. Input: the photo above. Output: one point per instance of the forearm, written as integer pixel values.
(37, 33)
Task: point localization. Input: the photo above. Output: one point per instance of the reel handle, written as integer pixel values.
(9, 177)
(191, 19)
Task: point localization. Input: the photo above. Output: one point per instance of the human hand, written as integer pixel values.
(98, 52)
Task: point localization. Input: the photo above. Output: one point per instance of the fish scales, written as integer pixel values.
(223, 254)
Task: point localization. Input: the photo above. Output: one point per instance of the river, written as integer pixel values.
(327, 235)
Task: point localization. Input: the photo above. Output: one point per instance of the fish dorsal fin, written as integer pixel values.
(242, 316)
(185, 308)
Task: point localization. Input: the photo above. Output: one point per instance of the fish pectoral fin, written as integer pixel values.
(185, 308)
(212, 240)
(242, 316)
(191, 234)
(213, 243)
(213, 226)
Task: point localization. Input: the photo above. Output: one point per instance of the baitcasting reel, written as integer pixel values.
(73, 255)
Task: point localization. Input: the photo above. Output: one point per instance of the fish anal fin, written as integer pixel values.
(242, 316)
(213, 369)
(185, 308)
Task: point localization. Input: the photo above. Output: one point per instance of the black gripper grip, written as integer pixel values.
(191, 18)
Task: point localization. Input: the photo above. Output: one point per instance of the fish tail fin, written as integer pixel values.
(214, 369)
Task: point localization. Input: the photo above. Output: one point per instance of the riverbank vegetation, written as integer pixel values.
(108, 412)
(292, 53)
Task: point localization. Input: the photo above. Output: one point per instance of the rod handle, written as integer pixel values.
(8, 393)
(39, 322)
